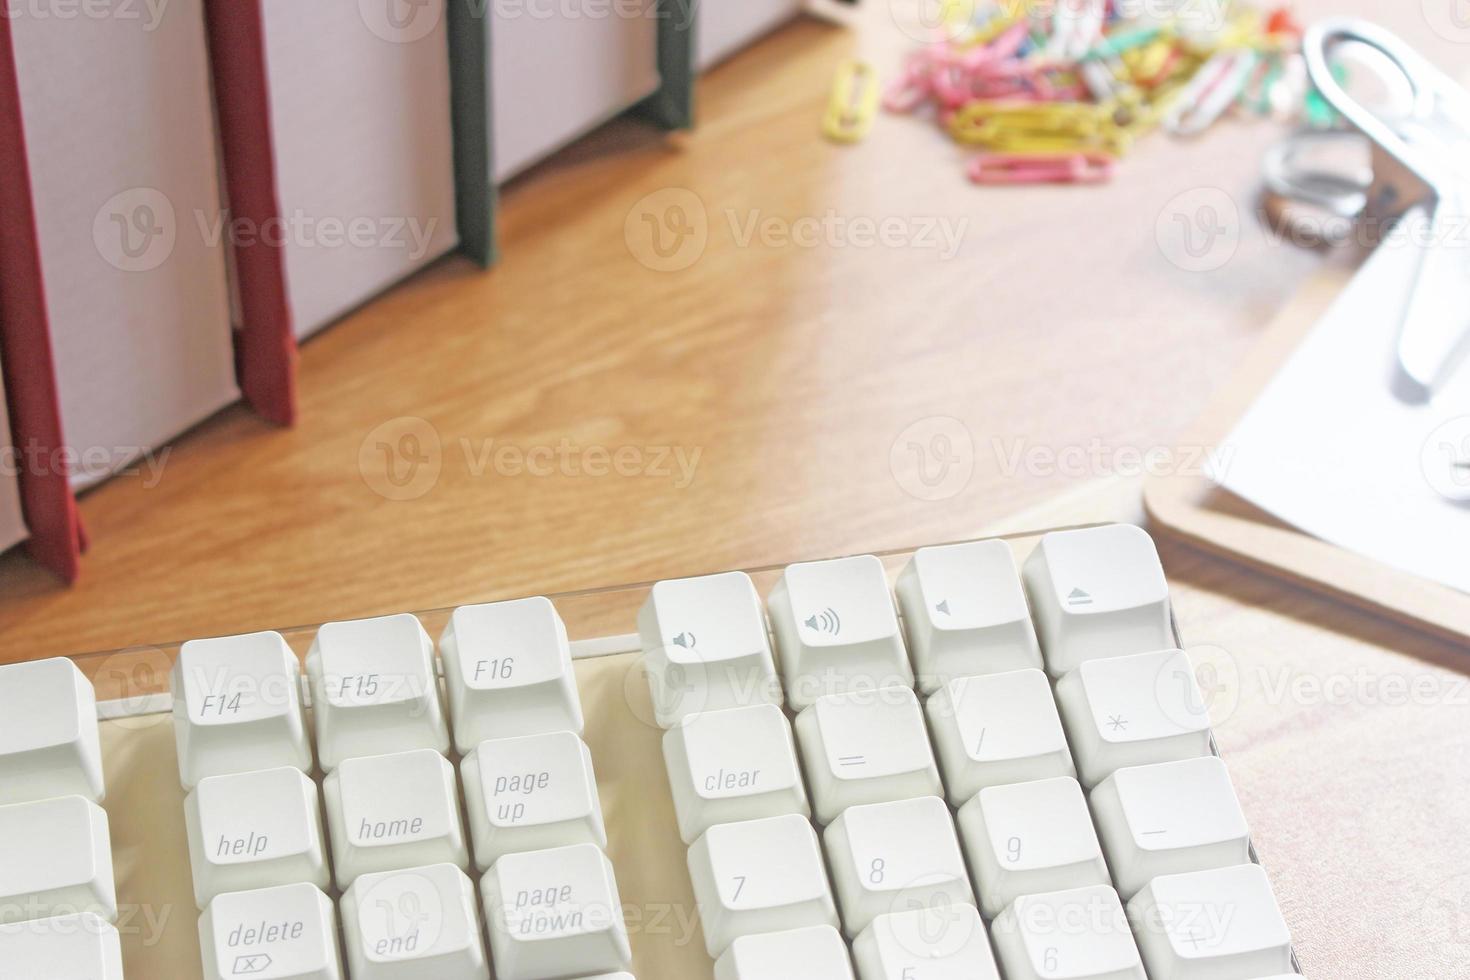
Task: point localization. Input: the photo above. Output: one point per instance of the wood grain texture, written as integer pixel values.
(1058, 327)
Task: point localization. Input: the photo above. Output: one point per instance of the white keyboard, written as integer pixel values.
(975, 772)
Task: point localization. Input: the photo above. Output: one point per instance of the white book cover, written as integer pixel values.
(560, 70)
(726, 26)
(360, 113)
(120, 137)
(12, 521)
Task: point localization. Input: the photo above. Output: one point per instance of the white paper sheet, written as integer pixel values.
(1329, 448)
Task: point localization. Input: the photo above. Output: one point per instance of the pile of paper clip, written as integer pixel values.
(1055, 91)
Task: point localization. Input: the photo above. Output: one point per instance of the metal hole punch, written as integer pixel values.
(1418, 183)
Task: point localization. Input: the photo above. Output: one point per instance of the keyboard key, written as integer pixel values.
(389, 812)
(1168, 819)
(1026, 838)
(893, 857)
(374, 689)
(529, 794)
(70, 947)
(237, 707)
(289, 931)
(48, 733)
(254, 830)
(759, 876)
(965, 613)
(946, 943)
(418, 922)
(55, 859)
(997, 729)
(1133, 711)
(1098, 592)
(508, 672)
(736, 764)
(705, 646)
(1209, 924)
(1079, 934)
(813, 953)
(866, 747)
(837, 629)
(555, 913)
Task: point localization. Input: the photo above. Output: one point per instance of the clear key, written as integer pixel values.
(837, 629)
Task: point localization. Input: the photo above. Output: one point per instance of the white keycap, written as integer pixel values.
(374, 689)
(965, 613)
(237, 707)
(1098, 592)
(418, 922)
(48, 733)
(388, 812)
(529, 794)
(893, 857)
(837, 629)
(71, 947)
(254, 830)
(813, 953)
(289, 931)
(508, 672)
(1133, 711)
(946, 943)
(736, 764)
(1168, 819)
(1211, 925)
(55, 859)
(1026, 838)
(705, 646)
(866, 747)
(759, 876)
(997, 729)
(555, 913)
(1079, 934)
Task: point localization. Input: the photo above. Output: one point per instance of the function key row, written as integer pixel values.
(1095, 594)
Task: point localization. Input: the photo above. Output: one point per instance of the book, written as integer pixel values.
(120, 141)
(726, 26)
(560, 71)
(360, 117)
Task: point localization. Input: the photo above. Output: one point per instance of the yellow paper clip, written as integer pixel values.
(1036, 127)
(854, 103)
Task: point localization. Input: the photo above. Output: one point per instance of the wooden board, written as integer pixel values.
(1189, 504)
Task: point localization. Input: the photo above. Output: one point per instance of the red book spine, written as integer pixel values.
(56, 536)
(265, 344)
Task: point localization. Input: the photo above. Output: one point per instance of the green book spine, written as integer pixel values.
(470, 106)
(672, 106)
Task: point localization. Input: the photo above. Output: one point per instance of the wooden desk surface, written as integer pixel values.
(795, 379)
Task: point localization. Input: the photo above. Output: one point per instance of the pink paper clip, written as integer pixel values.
(1042, 168)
